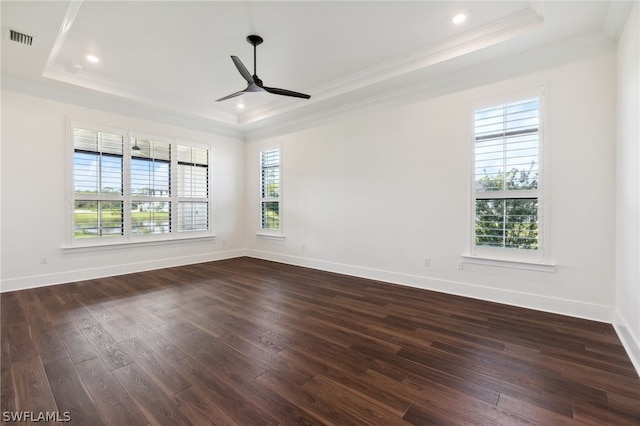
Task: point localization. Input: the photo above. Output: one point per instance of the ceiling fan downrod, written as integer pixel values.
(254, 40)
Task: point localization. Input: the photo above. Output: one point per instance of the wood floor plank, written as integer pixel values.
(159, 370)
(599, 414)
(469, 409)
(257, 395)
(160, 345)
(154, 403)
(21, 345)
(533, 413)
(48, 344)
(381, 360)
(250, 342)
(351, 402)
(31, 386)
(43, 335)
(70, 394)
(174, 328)
(450, 363)
(106, 346)
(76, 344)
(11, 309)
(461, 384)
(200, 407)
(233, 403)
(7, 387)
(307, 400)
(417, 415)
(113, 400)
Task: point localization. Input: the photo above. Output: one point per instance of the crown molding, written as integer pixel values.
(133, 93)
(468, 42)
(86, 98)
(617, 14)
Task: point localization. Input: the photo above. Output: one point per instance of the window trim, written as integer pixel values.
(509, 257)
(72, 244)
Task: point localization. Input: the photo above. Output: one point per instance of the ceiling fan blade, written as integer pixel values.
(243, 70)
(285, 92)
(233, 95)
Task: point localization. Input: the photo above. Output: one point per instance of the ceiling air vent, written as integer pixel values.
(21, 38)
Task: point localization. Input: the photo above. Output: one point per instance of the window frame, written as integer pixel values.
(504, 256)
(128, 237)
(268, 232)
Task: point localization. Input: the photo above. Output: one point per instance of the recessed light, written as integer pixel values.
(240, 105)
(93, 59)
(459, 18)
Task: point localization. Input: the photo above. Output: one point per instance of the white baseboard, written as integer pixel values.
(628, 339)
(33, 281)
(572, 308)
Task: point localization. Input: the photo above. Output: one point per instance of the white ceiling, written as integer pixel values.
(174, 56)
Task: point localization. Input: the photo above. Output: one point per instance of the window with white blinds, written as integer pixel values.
(270, 190)
(506, 198)
(98, 184)
(150, 186)
(193, 189)
(129, 186)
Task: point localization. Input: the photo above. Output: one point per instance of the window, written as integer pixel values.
(270, 190)
(128, 186)
(150, 186)
(98, 184)
(193, 189)
(506, 194)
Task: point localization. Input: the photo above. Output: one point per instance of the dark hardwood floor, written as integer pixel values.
(249, 342)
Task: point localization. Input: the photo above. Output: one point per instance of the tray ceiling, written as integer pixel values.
(174, 56)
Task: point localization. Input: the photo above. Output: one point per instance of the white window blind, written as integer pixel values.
(126, 186)
(506, 175)
(98, 184)
(150, 186)
(193, 189)
(270, 190)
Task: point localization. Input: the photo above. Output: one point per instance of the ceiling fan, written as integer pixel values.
(254, 84)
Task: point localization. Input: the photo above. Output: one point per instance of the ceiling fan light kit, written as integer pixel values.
(254, 84)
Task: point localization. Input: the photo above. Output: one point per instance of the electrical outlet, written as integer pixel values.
(43, 260)
(460, 264)
(427, 261)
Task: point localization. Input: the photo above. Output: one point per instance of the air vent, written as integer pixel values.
(21, 38)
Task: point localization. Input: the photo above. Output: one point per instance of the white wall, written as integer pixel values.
(627, 320)
(375, 192)
(35, 147)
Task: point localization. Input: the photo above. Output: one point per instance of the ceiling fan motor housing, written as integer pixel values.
(254, 40)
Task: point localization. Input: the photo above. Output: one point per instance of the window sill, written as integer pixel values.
(266, 236)
(133, 244)
(510, 263)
